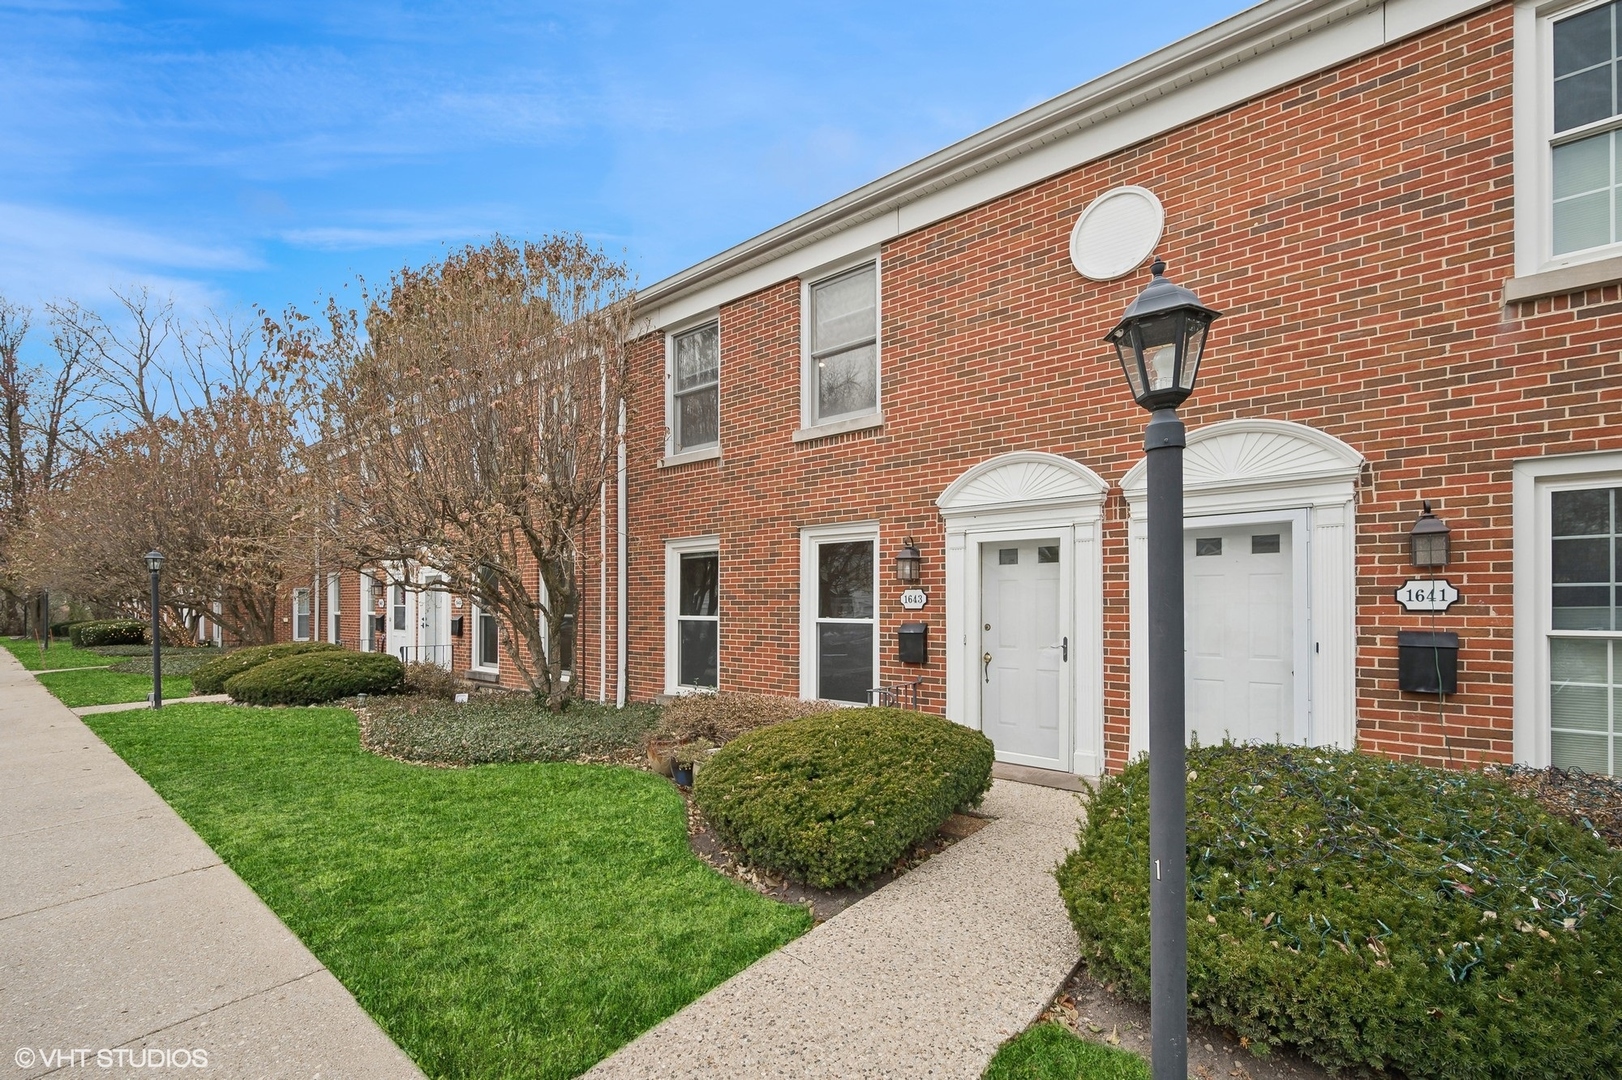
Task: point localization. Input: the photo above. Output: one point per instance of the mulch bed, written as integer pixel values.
(823, 904)
(1591, 802)
(1098, 1013)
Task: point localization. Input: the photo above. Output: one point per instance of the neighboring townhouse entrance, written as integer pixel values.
(433, 628)
(1270, 576)
(1023, 609)
(1241, 640)
(1024, 696)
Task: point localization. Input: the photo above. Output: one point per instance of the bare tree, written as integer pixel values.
(37, 421)
(125, 361)
(471, 429)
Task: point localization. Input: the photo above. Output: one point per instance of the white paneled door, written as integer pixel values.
(1241, 633)
(1024, 652)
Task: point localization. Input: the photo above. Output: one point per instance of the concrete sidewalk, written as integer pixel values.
(924, 978)
(121, 931)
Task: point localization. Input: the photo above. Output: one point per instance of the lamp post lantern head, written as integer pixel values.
(1428, 544)
(1160, 339)
(154, 561)
(907, 562)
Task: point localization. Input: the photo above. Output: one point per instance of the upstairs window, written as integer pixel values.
(843, 340)
(695, 409)
(1587, 113)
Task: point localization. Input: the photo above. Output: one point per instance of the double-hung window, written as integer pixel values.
(842, 377)
(839, 631)
(399, 607)
(1585, 144)
(301, 614)
(486, 636)
(695, 410)
(1585, 629)
(692, 614)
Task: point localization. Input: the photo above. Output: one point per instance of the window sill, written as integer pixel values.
(1567, 279)
(481, 676)
(709, 453)
(840, 427)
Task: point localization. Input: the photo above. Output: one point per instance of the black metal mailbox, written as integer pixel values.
(1428, 661)
(912, 643)
(456, 625)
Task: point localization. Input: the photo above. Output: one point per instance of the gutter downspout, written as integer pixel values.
(619, 671)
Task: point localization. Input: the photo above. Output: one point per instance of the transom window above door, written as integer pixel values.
(842, 371)
(695, 388)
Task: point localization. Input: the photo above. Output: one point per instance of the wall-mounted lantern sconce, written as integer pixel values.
(1428, 545)
(908, 562)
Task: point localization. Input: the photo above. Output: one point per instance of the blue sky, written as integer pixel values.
(235, 155)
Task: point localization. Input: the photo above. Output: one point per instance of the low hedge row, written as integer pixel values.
(88, 635)
(1375, 914)
(835, 798)
(211, 677)
(312, 678)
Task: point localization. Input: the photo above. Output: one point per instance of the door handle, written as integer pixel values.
(986, 664)
(1065, 645)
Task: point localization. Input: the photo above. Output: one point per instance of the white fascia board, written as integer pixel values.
(1259, 50)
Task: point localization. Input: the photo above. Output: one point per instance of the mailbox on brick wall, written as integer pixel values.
(912, 643)
(1427, 662)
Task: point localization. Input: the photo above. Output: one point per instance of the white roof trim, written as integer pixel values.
(1260, 49)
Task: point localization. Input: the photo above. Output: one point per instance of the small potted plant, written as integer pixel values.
(685, 758)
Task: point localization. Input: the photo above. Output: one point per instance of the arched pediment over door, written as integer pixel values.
(1260, 470)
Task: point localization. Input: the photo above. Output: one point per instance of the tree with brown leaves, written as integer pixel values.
(471, 428)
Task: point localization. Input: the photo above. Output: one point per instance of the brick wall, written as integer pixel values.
(1355, 229)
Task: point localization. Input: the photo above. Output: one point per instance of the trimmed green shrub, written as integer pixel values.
(210, 678)
(835, 798)
(88, 635)
(316, 677)
(1372, 913)
(62, 629)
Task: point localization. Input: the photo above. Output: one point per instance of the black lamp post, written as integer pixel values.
(154, 564)
(1159, 340)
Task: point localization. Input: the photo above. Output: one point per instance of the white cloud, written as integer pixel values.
(47, 253)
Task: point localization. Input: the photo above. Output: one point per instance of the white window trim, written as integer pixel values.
(700, 453)
(545, 596)
(309, 613)
(810, 426)
(1533, 90)
(368, 608)
(1534, 480)
(473, 654)
(333, 614)
(674, 550)
(810, 538)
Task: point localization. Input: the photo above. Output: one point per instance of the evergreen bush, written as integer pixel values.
(312, 678)
(835, 798)
(1374, 914)
(87, 635)
(211, 677)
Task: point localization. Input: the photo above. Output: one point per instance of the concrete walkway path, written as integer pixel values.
(126, 706)
(127, 946)
(924, 978)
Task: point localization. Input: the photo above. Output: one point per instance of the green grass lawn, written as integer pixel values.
(76, 689)
(514, 920)
(1052, 1052)
(59, 655)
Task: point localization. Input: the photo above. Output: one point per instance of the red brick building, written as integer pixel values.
(1409, 214)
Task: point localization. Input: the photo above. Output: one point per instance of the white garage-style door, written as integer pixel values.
(1025, 650)
(1240, 639)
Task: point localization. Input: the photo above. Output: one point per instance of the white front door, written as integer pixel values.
(1024, 704)
(1241, 639)
(433, 628)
